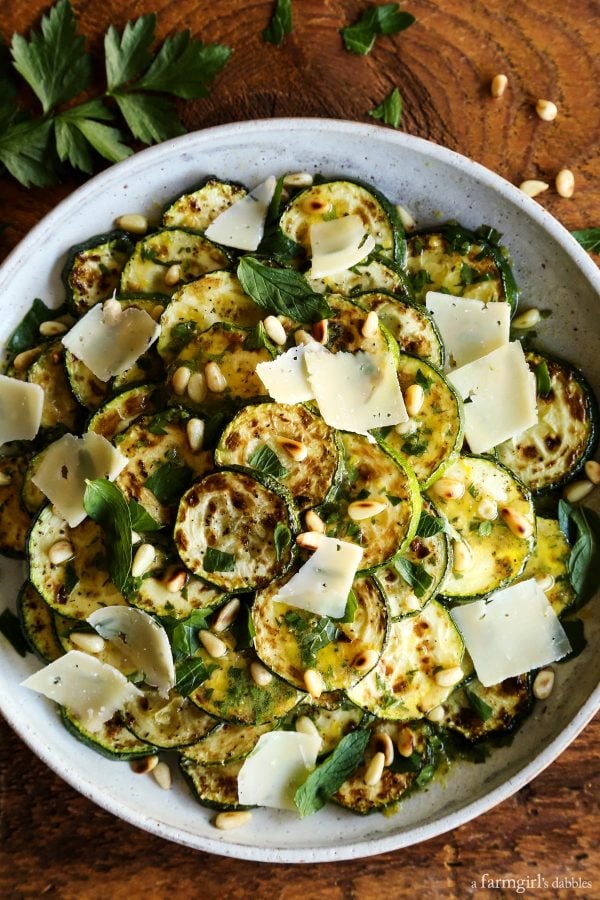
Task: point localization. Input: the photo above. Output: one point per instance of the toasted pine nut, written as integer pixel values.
(296, 449)
(132, 222)
(260, 676)
(313, 682)
(498, 85)
(592, 470)
(24, 359)
(213, 645)
(577, 491)
(194, 429)
(52, 328)
(406, 427)
(449, 677)
(543, 684)
(545, 581)
(143, 559)
(309, 540)
(314, 522)
(366, 660)
(565, 183)
(196, 387)
(529, 318)
(370, 326)
(298, 179)
(462, 556)
(227, 615)
(385, 745)
(177, 581)
(60, 552)
(111, 311)
(405, 742)
(449, 488)
(532, 187)
(215, 380)
(180, 379)
(275, 330)
(303, 337)
(226, 821)
(375, 769)
(135, 538)
(487, 509)
(546, 110)
(366, 509)
(144, 764)
(320, 331)
(162, 774)
(89, 643)
(305, 725)
(157, 311)
(414, 397)
(436, 714)
(6, 479)
(519, 524)
(406, 218)
(173, 275)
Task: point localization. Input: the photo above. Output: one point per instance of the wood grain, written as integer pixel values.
(57, 843)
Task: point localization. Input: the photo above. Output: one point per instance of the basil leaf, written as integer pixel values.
(376, 21)
(576, 635)
(542, 379)
(429, 525)
(10, 627)
(266, 461)
(106, 505)
(243, 628)
(218, 561)
(482, 709)
(27, 332)
(330, 775)
(283, 540)
(190, 673)
(280, 24)
(415, 575)
(584, 559)
(141, 520)
(281, 291)
(589, 238)
(169, 482)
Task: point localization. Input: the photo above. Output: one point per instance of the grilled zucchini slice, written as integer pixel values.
(37, 623)
(119, 412)
(145, 270)
(551, 557)
(60, 408)
(344, 329)
(373, 274)
(31, 497)
(412, 327)
(333, 721)
(15, 521)
(214, 786)
(152, 595)
(87, 389)
(196, 209)
(166, 723)
(225, 743)
(112, 740)
(476, 711)
(551, 453)
(92, 270)
(255, 439)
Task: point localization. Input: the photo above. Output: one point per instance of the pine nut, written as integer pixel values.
(529, 318)
(314, 522)
(227, 615)
(162, 774)
(177, 581)
(52, 328)
(173, 275)
(365, 661)
(298, 179)
(296, 449)
(313, 682)
(546, 110)
(303, 337)
(565, 183)
(213, 645)
(375, 770)
(60, 552)
(365, 509)
(143, 559)
(135, 538)
(157, 311)
(577, 491)
(320, 331)
(405, 742)
(194, 429)
(406, 427)
(132, 222)
(260, 676)
(215, 380)
(518, 524)
(545, 582)
(408, 222)
(487, 509)
(543, 684)
(111, 311)
(436, 714)
(226, 821)
(449, 677)
(305, 725)
(449, 488)
(180, 380)
(498, 85)
(24, 359)
(592, 470)
(309, 540)
(462, 557)
(5, 479)
(196, 387)
(89, 643)
(144, 765)
(414, 397)
(385, 745)
(275, 330)
(532, 187)
(370, 326)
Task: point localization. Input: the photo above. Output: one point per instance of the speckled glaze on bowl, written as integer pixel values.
(435, 184)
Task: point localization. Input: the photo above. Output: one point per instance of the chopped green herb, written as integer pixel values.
(542, 379)
(312, 634)
(190, 673)
(71, 579)
(183, 634)
(282, 537)
(430, 525)
(10, 627)
(375, 22)
(141, 520)
(389, 110)
(218, 561)
(351, 608)
(415, 575)
(280, 24)
(479, 706)
(27, 332)
(581, 526)
(266, 461)
(484, 529)
(243, 628)
(330, 775)
(414, 445)
(589, 238)
(422, 379)
(395, 501)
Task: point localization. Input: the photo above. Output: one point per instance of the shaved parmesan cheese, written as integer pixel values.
(501, 391)
(141, 640)
(514, 631)
(338, 244)
(87, 687)
(285, 377)
(66, 465)
(322, 584)
(242, 224)
(276, 768)
(21, 406)
(110, 345)
(356, 391)
(469, 328)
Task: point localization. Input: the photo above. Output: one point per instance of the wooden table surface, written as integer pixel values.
(57, 843)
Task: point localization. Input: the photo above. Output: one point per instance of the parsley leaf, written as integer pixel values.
(375, 22)
(330, 775)
(280, 24)
(281, 291)
(184, 67)
(218, 560)
(589, 238)
(415, 575)
(106, 505)
(266, 461)
(389, 110)
(80, 128)
(10, 627)
(25, 149)
(126, 56)
(150, 118)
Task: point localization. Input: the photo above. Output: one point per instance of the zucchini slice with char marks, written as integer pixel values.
(255, 439)
(476, 711)
(15, 521)
(225, 530)
(167, 723)
(60, 409)
(144, 272)
(290, 640)
(37, 624)
(87, 389)
(373, 274)
(412, 327)
(66, 629)
(214, 786)
(551, 453)
(403, 685)
(92, 270)
(372, 473)
(200, 206)
(154, 593)
(118, 413)
(333, 721)
(498, 554)
(225, 743)
(112, 740)
(344, 329)
(31, 497)
(551, 557)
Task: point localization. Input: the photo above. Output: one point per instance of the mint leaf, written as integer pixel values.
(329, 776)
(27, 332)
(281, 291)
(266, 461)
(54, 62)
(429, 525)
(282, 537)
(415, 575)
(312, 633)
(169, 482)
(25, 150)
(184, 67)
(375, 22)
(243, 629)
(150, 119)
(106, 505)
(10, 627)
(183, 634)
(280, 24)
(218, 560)
(127, 55)
(583, 525)
(389, 110)
(481, 709)
(542, 379)
(190, 673)
(589, 238)
(141, 520)
(351, 608)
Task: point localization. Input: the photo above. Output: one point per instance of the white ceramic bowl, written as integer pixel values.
(435, 184)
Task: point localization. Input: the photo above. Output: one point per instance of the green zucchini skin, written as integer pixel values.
(509, 702)
(37, 624)
(333, 717)
(60, 410)
(118, 413)
(113, 740)
(15, 521)
(93, 268)
(200, 204)
(225, 743)
(344, 328)
(214, 786)
(166, 723)
(87, 389)
(373, 274)
(412, 326)
(551, 557)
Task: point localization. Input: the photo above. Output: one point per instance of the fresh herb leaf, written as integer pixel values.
(414, 445)
(422, 379)
(280, 24)
(425, 775)
(266, 461)
(429, 525)
(71, 579)
(243, 628)
(589, 238)
(127, 55)
(10, 627)
(184, 67)
(141, 520)
(150, 118)
(106, 505)
(583, 526)
(542, 379)
(190, 673)
(169, 482)
(81, 128)
(330, 775)
(351, 608)
(415, 575)
(257, 338)
(482, 709)
(312, 634)
(389, 110)
(484, 529)
(576, 635)
(183, 634)
(157, 423)
(218, 560)
(375, 22)
(395, 501)
(27, 332)
(281, 291)
(282, 537)
(25, 150)
(420, 280)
